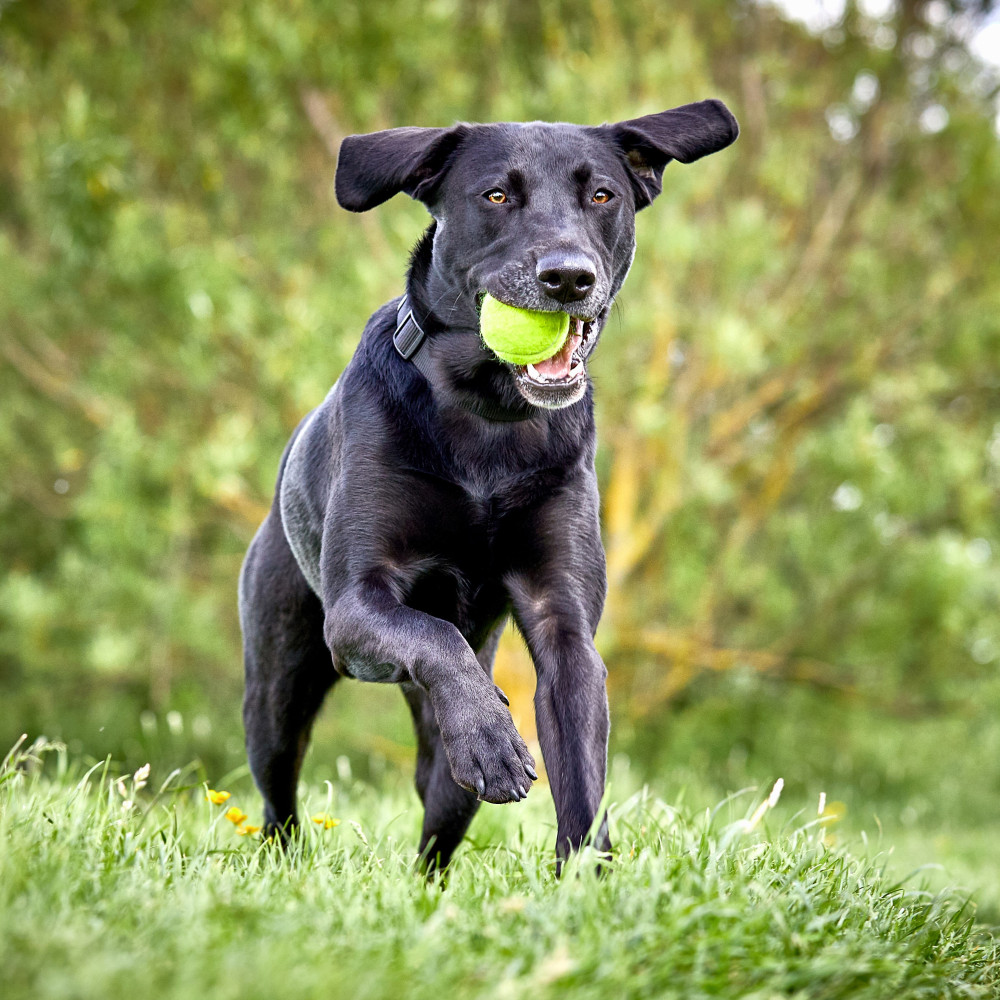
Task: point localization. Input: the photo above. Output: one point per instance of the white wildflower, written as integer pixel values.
(772, 799)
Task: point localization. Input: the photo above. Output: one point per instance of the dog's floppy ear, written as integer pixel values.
(686, 134)
(372, 168)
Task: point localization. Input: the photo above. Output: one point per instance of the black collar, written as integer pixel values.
(409, 339)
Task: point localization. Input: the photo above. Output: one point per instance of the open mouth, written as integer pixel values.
(560, 379)
(566, 366)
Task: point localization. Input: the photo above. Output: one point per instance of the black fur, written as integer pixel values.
(415, 514)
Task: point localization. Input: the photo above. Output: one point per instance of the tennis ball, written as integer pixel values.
(521, 336)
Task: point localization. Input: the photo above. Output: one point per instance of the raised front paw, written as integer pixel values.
(485, 751)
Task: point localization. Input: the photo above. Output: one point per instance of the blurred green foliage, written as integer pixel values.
(799, 396)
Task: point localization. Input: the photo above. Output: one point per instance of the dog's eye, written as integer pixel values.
(601, 197)
(496, 196)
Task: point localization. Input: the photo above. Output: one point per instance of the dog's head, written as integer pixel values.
(539, 215)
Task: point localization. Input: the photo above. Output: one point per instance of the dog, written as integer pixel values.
(438, 490)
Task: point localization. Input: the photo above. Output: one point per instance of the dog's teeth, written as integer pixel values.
(535, 374)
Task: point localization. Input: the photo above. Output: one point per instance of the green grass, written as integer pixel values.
(162, 898)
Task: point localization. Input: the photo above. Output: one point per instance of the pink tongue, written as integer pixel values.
(559, 364)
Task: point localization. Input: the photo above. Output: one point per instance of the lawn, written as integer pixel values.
(119, 885)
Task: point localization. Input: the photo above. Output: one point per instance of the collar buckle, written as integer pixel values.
(409, 336)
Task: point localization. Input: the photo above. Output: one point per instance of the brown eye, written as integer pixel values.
(497, 197)
(601, 197)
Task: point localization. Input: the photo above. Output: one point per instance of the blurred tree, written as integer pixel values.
(798, 396)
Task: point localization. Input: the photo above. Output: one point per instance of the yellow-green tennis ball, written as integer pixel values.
(521, 336)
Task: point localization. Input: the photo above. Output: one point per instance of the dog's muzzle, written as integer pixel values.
(560, 380)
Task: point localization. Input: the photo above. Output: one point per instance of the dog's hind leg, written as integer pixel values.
(448, 807)
(288, 670)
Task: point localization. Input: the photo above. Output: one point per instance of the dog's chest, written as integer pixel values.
(454, 547)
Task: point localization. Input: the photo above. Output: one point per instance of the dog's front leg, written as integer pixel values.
(571, 705)
(374, 637)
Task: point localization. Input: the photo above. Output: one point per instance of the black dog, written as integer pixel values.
(438, 490)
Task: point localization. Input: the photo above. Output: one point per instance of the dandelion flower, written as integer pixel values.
(246, 829)
(326, 821)
(217, 798)
(235, 815)
(833, 812)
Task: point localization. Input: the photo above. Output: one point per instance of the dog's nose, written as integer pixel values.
(566, 277)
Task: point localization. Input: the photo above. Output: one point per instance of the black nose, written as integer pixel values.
(566, 277)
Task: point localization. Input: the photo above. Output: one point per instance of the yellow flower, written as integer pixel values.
(326, 821)
(235, 815)
(246, 829)
(217, 798)
(833, 812)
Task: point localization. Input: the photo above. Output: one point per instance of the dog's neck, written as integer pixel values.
(463, 374)
(441, 304)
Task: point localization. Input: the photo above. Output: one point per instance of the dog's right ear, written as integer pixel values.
(372, 168)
